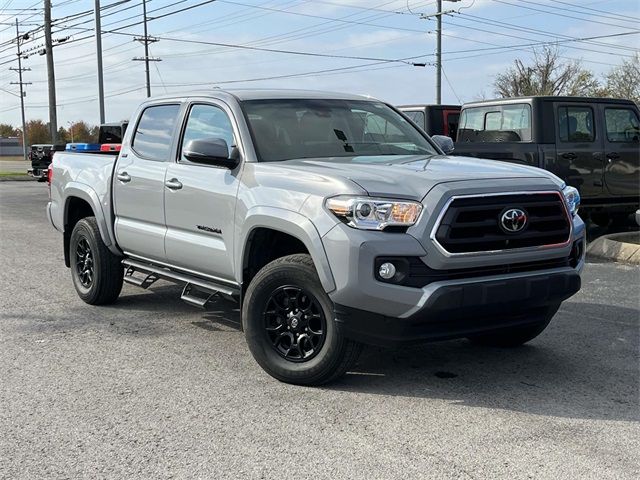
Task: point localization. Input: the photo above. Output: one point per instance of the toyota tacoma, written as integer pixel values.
(332, 219)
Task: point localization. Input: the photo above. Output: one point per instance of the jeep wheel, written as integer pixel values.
(516, 336)
(289, 324)
(96, 272)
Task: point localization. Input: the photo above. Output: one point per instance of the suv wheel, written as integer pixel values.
(289, 325)
(96, 272)
(516, 336)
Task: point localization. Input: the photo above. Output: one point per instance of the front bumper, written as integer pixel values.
(381, 313)
(459, 309)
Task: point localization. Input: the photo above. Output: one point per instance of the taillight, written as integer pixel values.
(50, 177)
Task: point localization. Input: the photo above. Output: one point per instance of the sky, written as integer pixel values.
(480, 39)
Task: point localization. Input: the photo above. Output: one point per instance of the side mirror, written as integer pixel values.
(212, 151)
(445, 143)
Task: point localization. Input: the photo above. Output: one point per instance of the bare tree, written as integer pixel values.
(624, 81)
(547, 74)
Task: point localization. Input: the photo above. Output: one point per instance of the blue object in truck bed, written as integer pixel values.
(83, 147)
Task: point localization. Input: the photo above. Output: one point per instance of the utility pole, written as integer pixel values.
(51, 78)
(96, 11)
(146, 40)
(22, 93)
(439, 54)
(438, 16)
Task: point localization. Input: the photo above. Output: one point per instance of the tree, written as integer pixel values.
(37, 132)
(63, 135)
(7, 130)
(547, 74)
(81, 132)
(624, 81)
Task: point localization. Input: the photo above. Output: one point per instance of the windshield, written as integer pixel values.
(311, 128)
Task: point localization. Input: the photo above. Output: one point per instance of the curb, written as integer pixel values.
(614, 247)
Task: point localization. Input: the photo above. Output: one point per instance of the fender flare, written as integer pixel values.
(88, 194)
(289, 222)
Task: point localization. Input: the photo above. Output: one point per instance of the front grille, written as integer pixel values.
(421, 275)
(472, 224)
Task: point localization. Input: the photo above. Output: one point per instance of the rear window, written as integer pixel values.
(110, 134)
(152, 138)
(497, 123)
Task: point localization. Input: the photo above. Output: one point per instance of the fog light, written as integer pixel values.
(387, 270)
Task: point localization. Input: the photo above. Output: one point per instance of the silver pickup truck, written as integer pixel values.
(332, 219)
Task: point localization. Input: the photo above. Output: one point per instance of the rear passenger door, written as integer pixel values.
(200, 212)
(138, 186)
(579, 148)
(622, 150)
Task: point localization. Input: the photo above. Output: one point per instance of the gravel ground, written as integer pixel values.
(153, 388)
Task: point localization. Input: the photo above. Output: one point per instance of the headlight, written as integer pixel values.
(374, 213)
(572, 197)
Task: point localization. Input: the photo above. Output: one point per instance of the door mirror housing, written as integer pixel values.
(445, 143)
(212, 151)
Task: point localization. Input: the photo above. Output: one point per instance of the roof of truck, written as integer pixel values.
(266, 94)
(549, 98)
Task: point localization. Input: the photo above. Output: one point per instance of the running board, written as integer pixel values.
(194, 285)
(197, 296)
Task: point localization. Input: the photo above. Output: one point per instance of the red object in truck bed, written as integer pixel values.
(110, 147)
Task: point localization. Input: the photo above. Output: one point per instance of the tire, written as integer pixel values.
(97, 277)
(621, 219)
(600, 218)
(515, 336)
(287, 293)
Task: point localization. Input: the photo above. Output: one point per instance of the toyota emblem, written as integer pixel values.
(513, 220)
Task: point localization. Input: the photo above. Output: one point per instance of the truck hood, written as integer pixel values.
(412, 176)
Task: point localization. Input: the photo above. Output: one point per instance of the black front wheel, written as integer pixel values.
(96, 272)
(289, 325)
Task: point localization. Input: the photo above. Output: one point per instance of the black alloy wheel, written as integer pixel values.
(295, 323)
(84, 263)
(288, 322)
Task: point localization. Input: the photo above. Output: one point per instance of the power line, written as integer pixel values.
(574, 10)
(558, 14)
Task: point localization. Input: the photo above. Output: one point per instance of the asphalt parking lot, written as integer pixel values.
(153, 388)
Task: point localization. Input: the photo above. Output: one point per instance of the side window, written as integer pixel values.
(622, 125)
(496, 123)
(575, 124)
(152, 138)
(417, 117)
(207, 121)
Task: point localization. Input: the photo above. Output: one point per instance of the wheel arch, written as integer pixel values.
(291, 232)
(81, 201)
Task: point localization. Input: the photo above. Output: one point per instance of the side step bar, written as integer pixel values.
(197, 291)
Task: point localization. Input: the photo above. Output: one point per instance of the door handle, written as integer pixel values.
(123, 177)
(173, 184)
(613, 155)
(569, 156)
